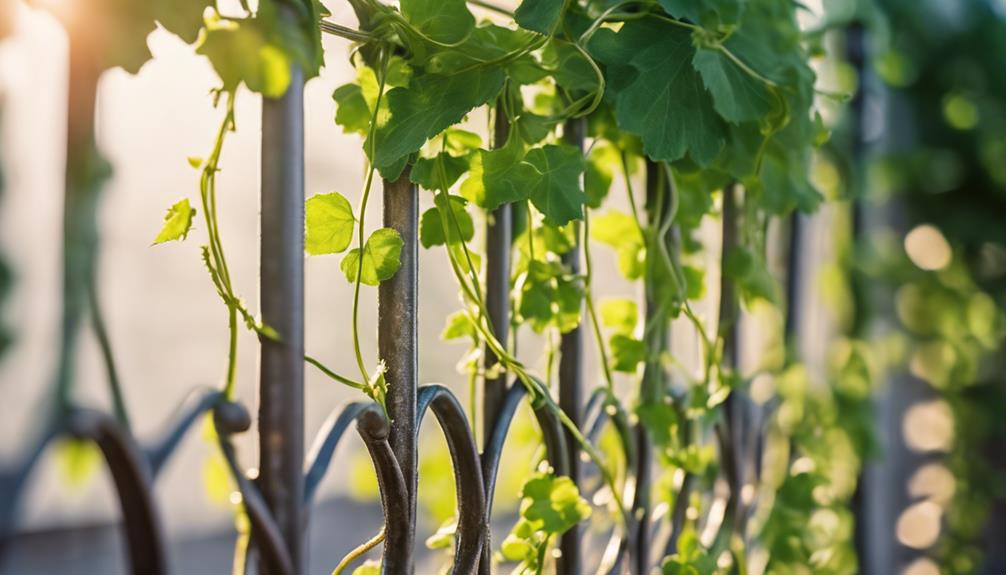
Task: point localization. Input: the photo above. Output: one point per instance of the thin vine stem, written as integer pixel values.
(588, 296)
(361, 231)
(358, 552)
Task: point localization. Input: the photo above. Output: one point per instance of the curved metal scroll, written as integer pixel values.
(133, 484)
(374, 428)
(472, 517)
(131, 475)
(555, 447)
(133, 471)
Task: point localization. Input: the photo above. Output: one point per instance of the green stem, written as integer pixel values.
(331, 374)
(361, 231)
(360, 551)
(589, 299)
(232, 354)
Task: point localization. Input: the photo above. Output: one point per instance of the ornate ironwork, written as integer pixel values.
(278, 500)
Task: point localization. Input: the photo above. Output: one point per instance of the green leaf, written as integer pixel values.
(709, 13)
(626, 353)
(177, 222)
(749, 274)
(78, 460)
(737, 96)
(499, 176)
(557, 192)
(439, 172)
(381, 258)
(660, 419)
(539, 15)
(553, 504)
(351, 109)
(695, 280)
(549, 297)
(620, 231)
(458, 326)
(183, 18)
(444, 537)
(572, 69)
(369, 567)
(429, 105)
(490, 43)
(620, 314)
(784, 183)
(330, 224)
(603, 163)
(444, 21)
(431, 227)
(242, 51)
(662, 99)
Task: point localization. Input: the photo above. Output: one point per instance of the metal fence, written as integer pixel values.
(278, 498)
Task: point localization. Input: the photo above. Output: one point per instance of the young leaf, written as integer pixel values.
(369, 567)
(539, 15)
(620, 314)
(330, 224)
(177, 222)
(626, 353)
(458, 326)
(553, 504)
(557, 192)
(381, 258)
(621, 232)
(78, 460)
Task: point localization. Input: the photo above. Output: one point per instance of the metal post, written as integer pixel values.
(499, 232)
(281, 385)
(397, 341)
(571, 379)
(653, 384)
(735, 406)
(85, 172)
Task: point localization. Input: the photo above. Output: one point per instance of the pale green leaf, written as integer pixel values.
(330, 224)
(381, 258)
(177, 222)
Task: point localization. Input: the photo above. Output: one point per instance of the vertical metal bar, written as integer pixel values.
(499, 232)
(653, 384)
(571, 378)
(869, 502)
(397, 340)
(281, 384)
(794, 282)
(734, 407)
(85, 171)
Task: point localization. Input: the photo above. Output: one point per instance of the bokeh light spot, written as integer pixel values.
(927, 248)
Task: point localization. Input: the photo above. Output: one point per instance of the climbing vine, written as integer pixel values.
(691, 113)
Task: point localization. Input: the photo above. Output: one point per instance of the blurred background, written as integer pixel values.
(906, 272)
